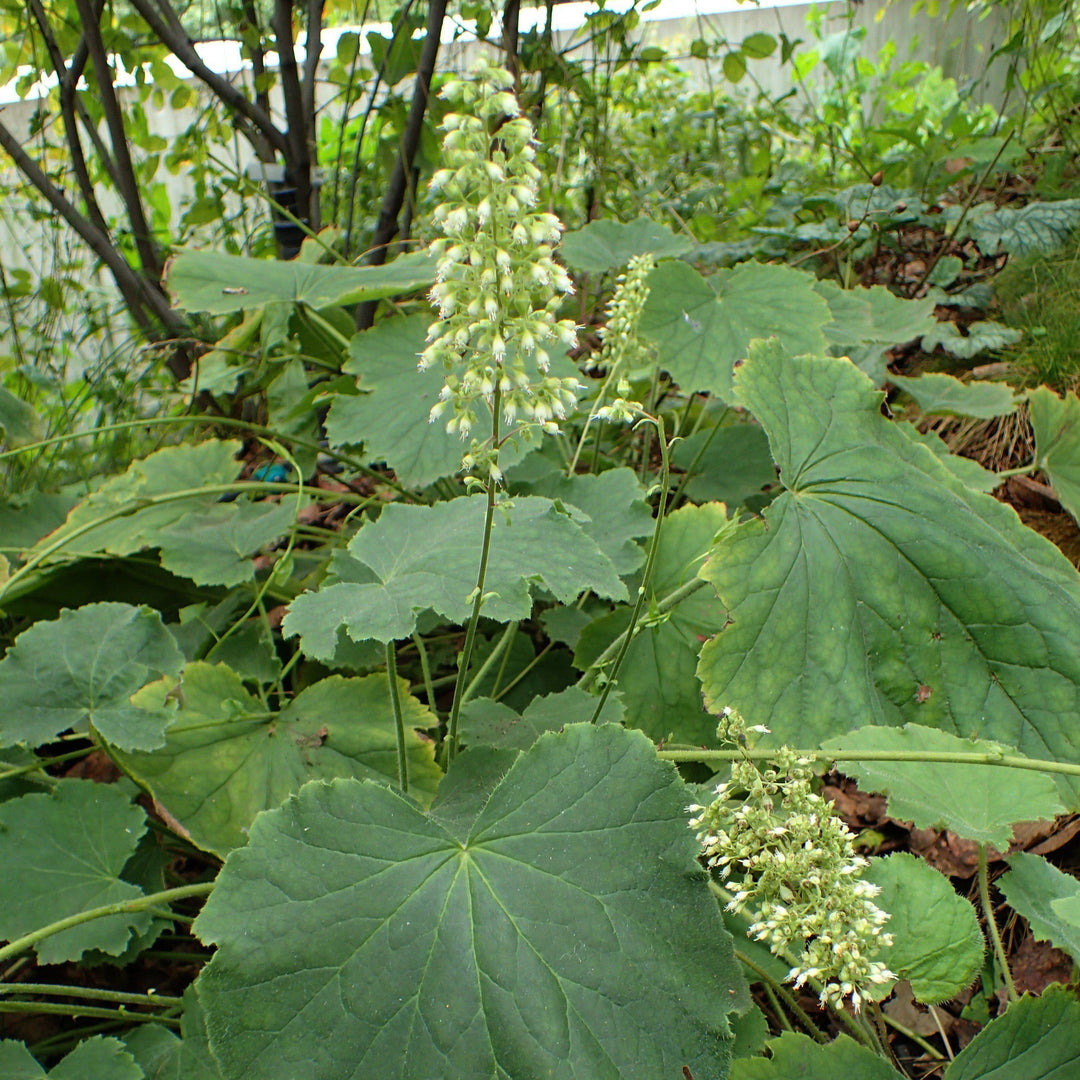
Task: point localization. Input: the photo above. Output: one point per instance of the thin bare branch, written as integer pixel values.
(298, 156)
(145, 302)
(175, 38)
(387, 227)
(127, 182)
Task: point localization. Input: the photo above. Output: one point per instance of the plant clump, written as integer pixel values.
(792, 867)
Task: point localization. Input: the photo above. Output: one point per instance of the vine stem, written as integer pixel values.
(399, 719)
(425, 669)
(654, 547)
(122, 907)
(98, 1012)
(465, 659)
(991, 924)
(1005, 761)
(91, 994)
(133, 507)
(215, 421)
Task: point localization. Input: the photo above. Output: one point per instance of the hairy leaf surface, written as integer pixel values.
(1034, 888)
(219, 284)
(657, 680)
(703, 327)
(937, 944)
(525, 935)
(609, 245)
(936, 392)
(487, 722)
(96, 1058)
(799, 1056)
(1038, 1038)
(1057, 443)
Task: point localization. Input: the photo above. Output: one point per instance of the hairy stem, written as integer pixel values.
(481, 577)
(89, 993)
(122, 907)
(991, 924)
(654, 548)
(399, 719)
(1006, 761)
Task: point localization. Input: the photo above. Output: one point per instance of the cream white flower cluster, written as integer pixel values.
(792, 866)
(622, 347)
(498, 288)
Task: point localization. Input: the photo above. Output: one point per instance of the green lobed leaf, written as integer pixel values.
(980, 337)
(873, 316)
(941, 394)
(978, 802)
(964, 469)
(216, 547)
(729, 464)
(937, 944)
(425, 558)
(1056, 422)
(864, 594)
(609, 245)
(226, 758)
(96, 1058)
(1038, 1038)
(555, 928)
(1067, 909)
(487, 722)
(702, 327)
(219, 284)
(1034, 888)
(390, 416)
(657, 683)
(164, 472)
(1037, 228)
(63, 852)
(26, 518)
(798, 1056)
(613, 510)
(81, 669)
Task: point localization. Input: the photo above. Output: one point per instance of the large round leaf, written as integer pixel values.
(1038, 1038)
(881, 589)
(227, 758)
(391, 417)
(558, 928)
(978, 802)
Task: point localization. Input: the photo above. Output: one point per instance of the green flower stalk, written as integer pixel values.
(498, 288)
(622, 347)
(790, 863)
